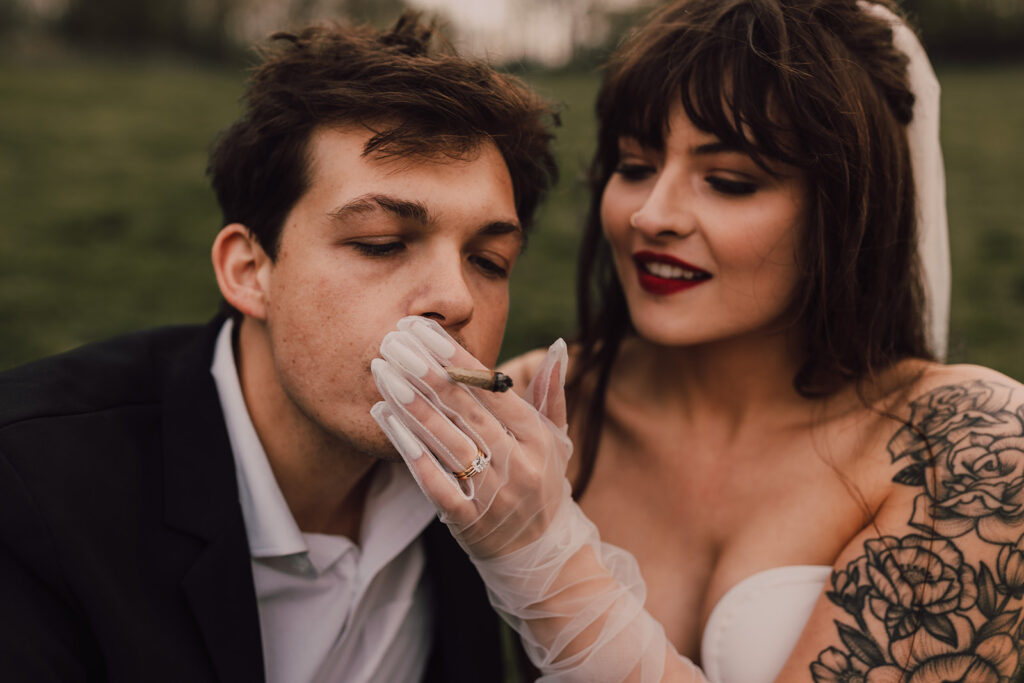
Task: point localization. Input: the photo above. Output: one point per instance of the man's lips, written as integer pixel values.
(664, 274)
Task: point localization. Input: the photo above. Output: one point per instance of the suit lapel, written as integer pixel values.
(201, 499)
(467, 641)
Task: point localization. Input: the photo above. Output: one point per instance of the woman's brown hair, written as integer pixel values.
(815, 84)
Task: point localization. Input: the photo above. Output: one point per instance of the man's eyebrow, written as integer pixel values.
(501, 228)
(402, 208)
(498, 228)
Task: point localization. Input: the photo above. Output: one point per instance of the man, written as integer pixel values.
(216, 503)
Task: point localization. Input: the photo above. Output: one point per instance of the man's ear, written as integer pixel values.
(241, 267)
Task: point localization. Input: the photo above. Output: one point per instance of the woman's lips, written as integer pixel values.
(664, 274)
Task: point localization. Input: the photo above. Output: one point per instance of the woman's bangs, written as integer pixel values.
(637, 106)
(741, 108)
(707, 96)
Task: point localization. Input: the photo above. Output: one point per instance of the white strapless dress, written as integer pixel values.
(755, 625)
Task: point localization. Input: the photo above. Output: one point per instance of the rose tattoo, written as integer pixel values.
(922, 611)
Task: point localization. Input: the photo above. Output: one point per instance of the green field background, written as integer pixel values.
(106, 218)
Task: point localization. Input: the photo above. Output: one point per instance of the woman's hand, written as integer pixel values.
(495, 464)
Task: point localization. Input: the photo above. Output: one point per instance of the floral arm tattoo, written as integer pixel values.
(918, 609)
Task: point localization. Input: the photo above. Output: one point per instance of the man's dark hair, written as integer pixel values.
(416, 94)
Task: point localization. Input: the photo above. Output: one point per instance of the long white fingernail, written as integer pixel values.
(562, 351)
(405, 356)
(393, 382)
(407, 444)
(432, 340)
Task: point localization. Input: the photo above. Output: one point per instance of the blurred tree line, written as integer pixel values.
(969, 30)
(219, 30)
(961, 30)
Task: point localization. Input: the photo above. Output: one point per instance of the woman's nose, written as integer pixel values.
(666, 212)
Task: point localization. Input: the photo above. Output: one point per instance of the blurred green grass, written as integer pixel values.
(106, 218)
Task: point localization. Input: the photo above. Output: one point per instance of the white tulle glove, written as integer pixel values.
(494, 466)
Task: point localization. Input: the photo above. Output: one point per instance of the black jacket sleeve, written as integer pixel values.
(42, 637)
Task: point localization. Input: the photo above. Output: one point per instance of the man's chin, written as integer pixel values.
(390, 455)
(379, 448)
(363, 437)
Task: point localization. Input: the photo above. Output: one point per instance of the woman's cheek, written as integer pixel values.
(617, 206)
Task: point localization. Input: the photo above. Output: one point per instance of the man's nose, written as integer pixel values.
(444, 293)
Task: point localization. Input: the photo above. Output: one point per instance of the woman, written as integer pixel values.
(757, 411)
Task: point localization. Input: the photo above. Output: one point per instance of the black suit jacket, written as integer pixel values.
(123, 553)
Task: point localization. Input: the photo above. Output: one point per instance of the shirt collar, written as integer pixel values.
(269, 524)
(396, 513)
(396, 510)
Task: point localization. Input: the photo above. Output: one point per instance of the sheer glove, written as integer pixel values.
(494, 466)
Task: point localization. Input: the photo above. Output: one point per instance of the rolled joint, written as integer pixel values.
(488, 380)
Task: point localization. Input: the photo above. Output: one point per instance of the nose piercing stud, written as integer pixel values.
(632, 221)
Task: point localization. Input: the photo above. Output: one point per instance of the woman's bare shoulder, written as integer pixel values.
(938, 374)
(893, 420)
(957, 407)
(912, 382)
(911, 398)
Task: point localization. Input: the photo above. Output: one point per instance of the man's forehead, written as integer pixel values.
(371, 147)
(417, 189)
(400, 144)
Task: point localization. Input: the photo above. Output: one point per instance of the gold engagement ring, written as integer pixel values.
(478, 465)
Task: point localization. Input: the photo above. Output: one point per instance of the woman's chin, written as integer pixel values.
(662, 331)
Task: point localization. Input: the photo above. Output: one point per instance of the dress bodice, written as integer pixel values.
(755, 625)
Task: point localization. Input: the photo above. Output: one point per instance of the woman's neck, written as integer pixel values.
(735, 380)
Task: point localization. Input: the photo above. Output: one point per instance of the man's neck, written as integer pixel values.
(324, 479)
(324, 498)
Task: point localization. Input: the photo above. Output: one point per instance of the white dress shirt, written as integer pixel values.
(330, 610)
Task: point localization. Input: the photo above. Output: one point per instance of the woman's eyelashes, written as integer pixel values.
(731, 186)
(634, 171)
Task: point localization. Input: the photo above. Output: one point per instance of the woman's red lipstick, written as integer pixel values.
(664, 274)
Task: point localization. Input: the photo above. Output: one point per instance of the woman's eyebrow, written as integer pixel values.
(401, 208)
(715, 147)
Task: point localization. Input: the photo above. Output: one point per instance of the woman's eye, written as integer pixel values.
(378, 248)
(489, 267)
(731, 187)
(634, 171)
